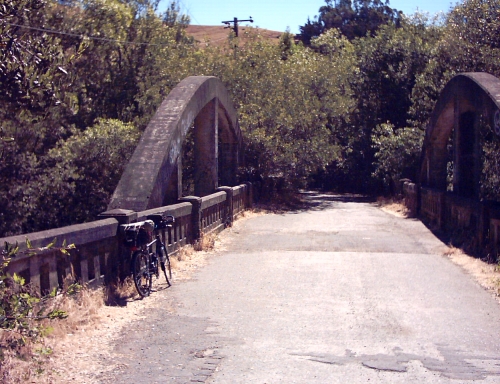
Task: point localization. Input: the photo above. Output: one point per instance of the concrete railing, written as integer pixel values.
(454, 214)
(410, 193)
(91, 260)
(431, 205)
(99, 255)
(214, 212)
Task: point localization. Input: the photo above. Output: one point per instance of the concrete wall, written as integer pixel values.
(99, 255)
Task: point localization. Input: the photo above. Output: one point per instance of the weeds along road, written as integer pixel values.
(342, 292)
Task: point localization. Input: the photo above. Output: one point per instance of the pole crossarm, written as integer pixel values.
(235, 22)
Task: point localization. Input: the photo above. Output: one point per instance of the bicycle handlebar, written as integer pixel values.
(151, 223)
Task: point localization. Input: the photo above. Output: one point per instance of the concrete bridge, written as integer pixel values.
(336, 292)
(450, 192)
(152, 181)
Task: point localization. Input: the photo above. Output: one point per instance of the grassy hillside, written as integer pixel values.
(218, 34)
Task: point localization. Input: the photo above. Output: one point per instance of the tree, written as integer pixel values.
(469, 42)
(80, 174)
(397, 153)
(354, 19)
(287, 108)
(67, 65)
(385, 70)
(34, 78)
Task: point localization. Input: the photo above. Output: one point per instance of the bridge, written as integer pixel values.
(449, 193)
(338, 291)
(152, 181)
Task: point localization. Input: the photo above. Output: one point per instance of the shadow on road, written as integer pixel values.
(317, 201)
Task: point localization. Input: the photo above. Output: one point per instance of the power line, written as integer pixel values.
(188, 11)
(85, 37)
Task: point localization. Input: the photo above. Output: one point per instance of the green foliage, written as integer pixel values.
(272, 88)
(397, 153)
(353, 19)
(470, 42)
(81, 173)
(24, 314)
(385, 68)
(53, 83)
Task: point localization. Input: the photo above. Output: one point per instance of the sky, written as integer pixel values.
(277, 15)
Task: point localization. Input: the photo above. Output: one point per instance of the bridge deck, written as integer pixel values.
(340, 292)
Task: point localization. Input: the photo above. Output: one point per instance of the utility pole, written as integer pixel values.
(235, 22)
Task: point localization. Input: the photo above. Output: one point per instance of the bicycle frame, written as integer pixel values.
(144, 263)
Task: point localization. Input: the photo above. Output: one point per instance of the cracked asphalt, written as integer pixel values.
(340, 292)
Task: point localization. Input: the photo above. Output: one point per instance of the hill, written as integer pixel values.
(217, 34)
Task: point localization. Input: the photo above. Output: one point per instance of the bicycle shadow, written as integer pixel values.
(119, 295)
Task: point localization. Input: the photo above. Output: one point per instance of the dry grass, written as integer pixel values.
(76, 347)
(393, 206)
(205, 243)
(119, 292)
(487, 275)
(82, 307)
(218, 36)
(35, 358)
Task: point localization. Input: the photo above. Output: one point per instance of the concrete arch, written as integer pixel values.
(153, 176)
(467, 99)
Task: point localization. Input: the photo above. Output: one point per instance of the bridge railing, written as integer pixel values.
(456, 214)
(99, 255)
(213, 215)
(431, 205)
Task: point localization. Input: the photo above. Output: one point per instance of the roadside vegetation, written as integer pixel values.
(34, 328)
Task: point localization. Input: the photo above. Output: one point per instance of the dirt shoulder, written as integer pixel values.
(84, 350)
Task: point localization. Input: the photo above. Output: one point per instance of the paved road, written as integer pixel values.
(339, 293)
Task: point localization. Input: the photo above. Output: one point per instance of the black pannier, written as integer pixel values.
(137, 237)
(161, 222)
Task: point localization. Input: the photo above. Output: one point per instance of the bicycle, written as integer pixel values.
(145, 262)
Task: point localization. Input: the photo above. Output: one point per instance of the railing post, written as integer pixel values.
(249, 194)
(34, 266)
(228, 220)
(123, 216)
(195, 216)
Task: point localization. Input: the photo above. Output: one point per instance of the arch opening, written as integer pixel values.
(153, 176)
(464, 180)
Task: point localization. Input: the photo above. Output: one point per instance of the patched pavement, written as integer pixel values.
(338, 292)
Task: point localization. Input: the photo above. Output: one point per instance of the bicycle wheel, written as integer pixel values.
(163, 268)
(164, 262)
(169, 266)
(140, 271)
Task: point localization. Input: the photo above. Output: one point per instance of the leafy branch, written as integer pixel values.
(22, 309)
